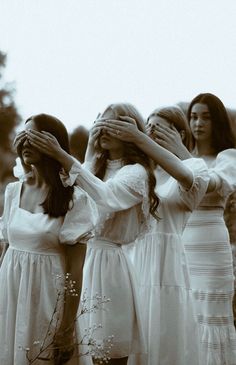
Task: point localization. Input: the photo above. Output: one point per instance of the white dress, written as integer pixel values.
(28, 275)
(163, 277)
(209, 256)
(122, 199)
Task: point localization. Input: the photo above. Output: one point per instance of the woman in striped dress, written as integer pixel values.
(206, 237)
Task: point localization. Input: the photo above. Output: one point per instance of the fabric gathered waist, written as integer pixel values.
(101, 243)
(218, 209)
(39, 250)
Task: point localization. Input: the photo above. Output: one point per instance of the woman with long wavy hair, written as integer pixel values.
(122, 183)
(159, 258)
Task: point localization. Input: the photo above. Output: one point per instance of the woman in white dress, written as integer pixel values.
(159, 257)
(206, 237)
(123, 200)
(46, 226)
(123, 189)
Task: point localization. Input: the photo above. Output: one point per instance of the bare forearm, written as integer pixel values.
(75, 256)
(4, 250)
(183, 153)
(65, 159)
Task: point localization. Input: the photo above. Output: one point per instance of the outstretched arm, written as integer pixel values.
(127, 131)
(109, 196)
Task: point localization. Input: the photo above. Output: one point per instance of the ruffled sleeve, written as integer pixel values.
(80, 220)
(20, 172)
(193, 196)
(4, 220)
(224, 172)
(125, 190)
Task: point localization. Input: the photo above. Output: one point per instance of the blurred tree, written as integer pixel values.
(9, 119)
(78, 142)
(9, 116)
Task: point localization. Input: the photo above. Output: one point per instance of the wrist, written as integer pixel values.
(139, 138)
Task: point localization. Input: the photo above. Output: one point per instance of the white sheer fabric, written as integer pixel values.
(163, 277)
(122, 200)
(28, 275)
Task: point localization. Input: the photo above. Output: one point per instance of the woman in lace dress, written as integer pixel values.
(159, 256)
(206, 237)
(46, 226)
(124, 198)
(122, 184)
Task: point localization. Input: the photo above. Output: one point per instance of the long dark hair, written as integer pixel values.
(132, 154)
(222, 135)
(58, 199)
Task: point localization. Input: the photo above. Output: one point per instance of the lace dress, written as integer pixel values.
(122, 200)
(163, 278)
(209, 256)
(31, 270)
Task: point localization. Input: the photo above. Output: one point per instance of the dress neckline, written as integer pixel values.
(115, 164)
(18, 201)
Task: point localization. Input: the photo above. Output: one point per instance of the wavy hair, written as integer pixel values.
(132, 154)
(57, 201)
(222, 134)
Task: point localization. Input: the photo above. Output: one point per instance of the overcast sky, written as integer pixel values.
(71, 58)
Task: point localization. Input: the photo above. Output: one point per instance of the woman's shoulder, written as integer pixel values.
(12, 186)
(227, 155)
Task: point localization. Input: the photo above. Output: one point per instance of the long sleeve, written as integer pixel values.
(193, 196)
(224, 172)
(6, 211)
(127, 189)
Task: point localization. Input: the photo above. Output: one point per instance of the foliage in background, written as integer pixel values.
(9, 119)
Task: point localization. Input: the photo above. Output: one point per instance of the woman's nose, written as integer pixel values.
(198, 121)
(26, 143)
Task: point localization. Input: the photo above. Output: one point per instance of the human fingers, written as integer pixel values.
(49, 135)
(173, 128)
(114, 132)
(20, 138)
(164, 129)
(160, 135)
(36, 136)
(128, 119)
(124, 126)
(44, 142)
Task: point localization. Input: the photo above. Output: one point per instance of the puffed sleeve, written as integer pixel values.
(193, 196)
(123, 191)
(21, 172)
(4, 220)
(80, 220)
(224, 172)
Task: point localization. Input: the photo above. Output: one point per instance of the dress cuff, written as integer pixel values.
(69, 179)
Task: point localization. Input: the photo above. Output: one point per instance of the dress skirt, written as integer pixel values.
(209, 256)
(29, 292)
(166, 302)
(107, 274)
